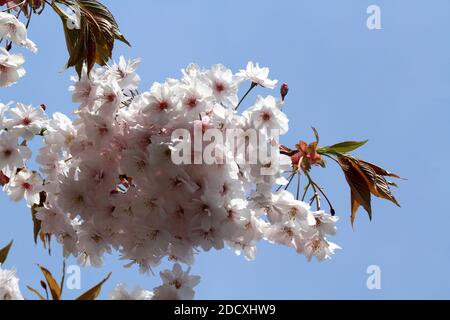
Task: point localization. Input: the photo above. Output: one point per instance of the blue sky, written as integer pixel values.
(390, 86)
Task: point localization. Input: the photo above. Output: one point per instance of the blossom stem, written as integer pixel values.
(290, 179)
(254, 85)
(313, 185)
(330, 157)
(306, 191)
(13, 7)
(326, 198)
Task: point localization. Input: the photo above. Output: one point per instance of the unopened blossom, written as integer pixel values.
(14, 30)
(257, 75)
(11, 68)
(25, 185)
(9, 285)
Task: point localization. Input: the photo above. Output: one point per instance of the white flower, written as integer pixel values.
(10, 68)
(85, 90)
(125, 73)
(60, 132)
(9, 285)
(177, 285)
(161, 103)
(12, 29)
(326, 223)
(25, 184)
(122, 292)
(12, 155)
(265, 115)
(318, 247)
(257, 75)
(27, 121)
(223, 84)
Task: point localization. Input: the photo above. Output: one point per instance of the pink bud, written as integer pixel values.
(284, 90)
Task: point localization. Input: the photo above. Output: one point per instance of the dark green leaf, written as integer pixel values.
(93, 293)
(4, 252)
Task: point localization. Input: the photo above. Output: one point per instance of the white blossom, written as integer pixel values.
(257, 75)
(177, 285)
(9, 285)
(25, 185)
(10, 68)
(14, 30)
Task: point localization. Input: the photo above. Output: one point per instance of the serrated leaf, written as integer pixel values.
(55, 289)
(94, 41)
(380, 170)
(4, 252)
(360, 191)
(93, 293)
(365, 180)
(377, 183)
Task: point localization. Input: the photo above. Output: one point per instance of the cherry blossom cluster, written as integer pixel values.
(107, 180)
(11, 65)
(177, 285)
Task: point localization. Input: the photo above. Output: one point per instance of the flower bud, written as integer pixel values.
(284, 90)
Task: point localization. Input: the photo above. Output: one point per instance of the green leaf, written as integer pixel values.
(344, 147)
(55, 289)
(93, 293)
(4, 252)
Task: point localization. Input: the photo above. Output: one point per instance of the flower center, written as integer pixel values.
(219, 87)
(191, 102)
(26, 121)
(266, 116)
(163, 105)
(111, 97)
(27, 186)
(7, 153)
